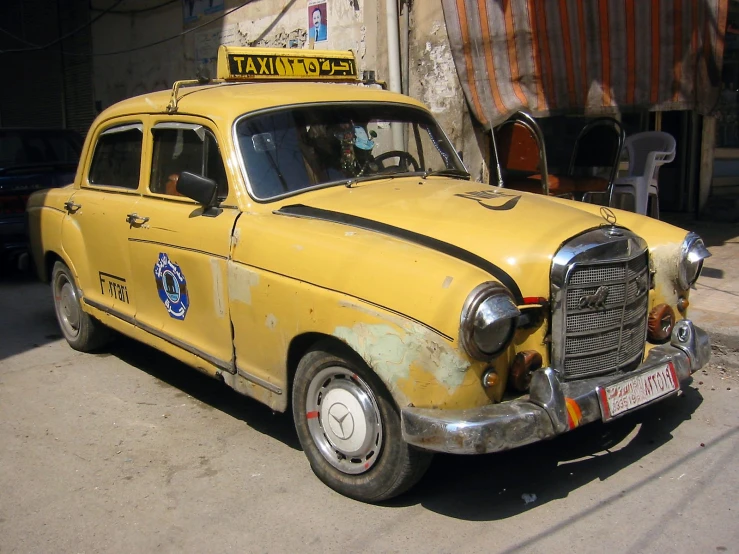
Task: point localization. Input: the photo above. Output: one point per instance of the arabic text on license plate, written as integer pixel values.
(638, 390)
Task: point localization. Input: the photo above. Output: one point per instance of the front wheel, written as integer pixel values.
(83, 332)
(349, 428)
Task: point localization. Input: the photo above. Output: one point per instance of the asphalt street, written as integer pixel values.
(130, 451)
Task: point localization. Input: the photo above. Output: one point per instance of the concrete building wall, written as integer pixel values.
(359, 25)
(434, 80)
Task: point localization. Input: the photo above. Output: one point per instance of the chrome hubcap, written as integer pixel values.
(67, 305)
(344, 420)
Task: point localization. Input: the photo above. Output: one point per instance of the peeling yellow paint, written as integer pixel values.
(426, 391)
(665, 261)
(271, 321)
(391, 351)
(219, 304)
(235, 236)
(240, 282)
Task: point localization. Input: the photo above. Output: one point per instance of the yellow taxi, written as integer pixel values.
(316, 243)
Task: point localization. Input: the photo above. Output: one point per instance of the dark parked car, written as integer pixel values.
(30, 160)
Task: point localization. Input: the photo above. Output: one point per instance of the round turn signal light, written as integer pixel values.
(660, 323)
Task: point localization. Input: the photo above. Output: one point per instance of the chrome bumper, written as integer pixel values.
(543, 414)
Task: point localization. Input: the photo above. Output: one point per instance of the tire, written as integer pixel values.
(82, 332)
(349, 427)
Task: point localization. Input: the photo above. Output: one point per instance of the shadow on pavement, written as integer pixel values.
(207, 390)
(490, 487)
(27, 317)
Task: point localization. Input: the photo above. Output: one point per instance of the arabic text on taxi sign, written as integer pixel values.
(250, 65)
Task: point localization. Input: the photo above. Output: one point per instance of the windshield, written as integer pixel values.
(301, 147)
(21, 147)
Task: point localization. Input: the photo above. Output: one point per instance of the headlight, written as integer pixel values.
(692, 254)
(488, 321)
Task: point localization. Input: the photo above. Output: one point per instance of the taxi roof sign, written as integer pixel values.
(270, 64)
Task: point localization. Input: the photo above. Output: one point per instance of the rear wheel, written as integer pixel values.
(349, 428)
(82, 332)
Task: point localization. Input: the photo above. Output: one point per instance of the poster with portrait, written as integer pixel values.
(317, 21)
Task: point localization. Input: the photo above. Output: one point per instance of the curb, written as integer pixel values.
(723, 328)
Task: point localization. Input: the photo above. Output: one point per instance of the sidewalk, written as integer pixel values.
(714, 304)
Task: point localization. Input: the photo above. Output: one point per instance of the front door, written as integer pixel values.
(179, 253)
(95, 230)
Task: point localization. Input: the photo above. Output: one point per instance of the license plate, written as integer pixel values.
(638, 390)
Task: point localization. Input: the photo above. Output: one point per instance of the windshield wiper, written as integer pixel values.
(349, 183)
(449, 172)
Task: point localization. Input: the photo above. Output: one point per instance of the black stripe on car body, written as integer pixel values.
(301, 210)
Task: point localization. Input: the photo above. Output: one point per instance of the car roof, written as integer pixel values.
(228, 101)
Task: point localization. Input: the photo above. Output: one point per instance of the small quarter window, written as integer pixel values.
(182, 147)
(117, 158)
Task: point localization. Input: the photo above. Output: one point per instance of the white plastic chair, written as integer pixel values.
(647, 153)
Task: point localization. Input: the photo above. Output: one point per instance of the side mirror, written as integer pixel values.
(201, 189)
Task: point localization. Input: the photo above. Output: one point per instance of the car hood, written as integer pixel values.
(516, 232)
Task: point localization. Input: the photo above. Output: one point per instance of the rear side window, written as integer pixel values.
(117, 158)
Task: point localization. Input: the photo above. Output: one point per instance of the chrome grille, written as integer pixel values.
(609, 335)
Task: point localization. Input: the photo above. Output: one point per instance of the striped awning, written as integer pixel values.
(586, 56)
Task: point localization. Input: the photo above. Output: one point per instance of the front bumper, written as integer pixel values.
(544, 413)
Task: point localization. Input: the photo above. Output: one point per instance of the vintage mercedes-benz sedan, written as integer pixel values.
(319, 246)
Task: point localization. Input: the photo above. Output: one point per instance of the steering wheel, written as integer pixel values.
(404, 159)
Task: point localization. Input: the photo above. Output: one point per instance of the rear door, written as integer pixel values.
(179, 255)
(95, 230)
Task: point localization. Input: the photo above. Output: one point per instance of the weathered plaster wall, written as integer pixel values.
(434, 80)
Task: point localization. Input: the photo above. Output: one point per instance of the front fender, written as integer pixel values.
(419, 365)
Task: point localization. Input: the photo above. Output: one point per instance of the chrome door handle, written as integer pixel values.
(136, 219)
(71, 206)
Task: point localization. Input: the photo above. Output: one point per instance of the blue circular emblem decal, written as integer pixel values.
(171, 286)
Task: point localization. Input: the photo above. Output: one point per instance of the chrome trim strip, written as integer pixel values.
(157, 243)
(258, 381)
(109, 311)
(122, 129)
(226, 366)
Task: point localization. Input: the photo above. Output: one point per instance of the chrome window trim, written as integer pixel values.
(121, 129)
(263, 111)
(604, 245)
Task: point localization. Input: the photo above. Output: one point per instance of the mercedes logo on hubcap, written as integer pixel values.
(340, 421)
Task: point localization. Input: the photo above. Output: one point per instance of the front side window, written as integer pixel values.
(117, 158)
(185, 147)
(302, 147)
